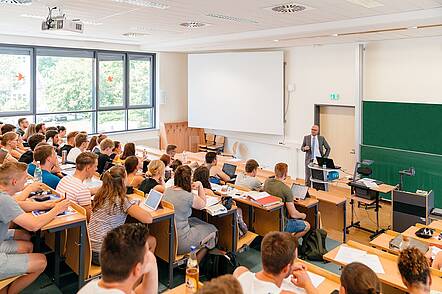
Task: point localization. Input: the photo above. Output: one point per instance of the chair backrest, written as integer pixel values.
(138, 192)
(210, 138)
(219, 139)
(72, 252)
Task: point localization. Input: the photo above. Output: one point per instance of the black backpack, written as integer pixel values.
(216, 264)
(313, 245)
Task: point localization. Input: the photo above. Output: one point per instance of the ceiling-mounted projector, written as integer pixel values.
(61, 24)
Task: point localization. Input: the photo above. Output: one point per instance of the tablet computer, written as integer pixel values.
(153, 199)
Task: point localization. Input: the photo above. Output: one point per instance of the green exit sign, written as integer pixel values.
(334, 96)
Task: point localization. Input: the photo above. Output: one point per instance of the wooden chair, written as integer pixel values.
(218, 145)
(6, 282)
(209, 141)
(72, 252)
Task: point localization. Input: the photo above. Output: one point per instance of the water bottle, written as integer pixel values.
(38, 175)
(184, 157)
(192, 272)
(64, 155)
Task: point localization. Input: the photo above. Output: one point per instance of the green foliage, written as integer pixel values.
(14, 92)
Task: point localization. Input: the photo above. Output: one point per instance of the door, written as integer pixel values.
(337, 125)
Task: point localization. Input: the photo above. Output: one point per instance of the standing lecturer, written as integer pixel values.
(313, 146)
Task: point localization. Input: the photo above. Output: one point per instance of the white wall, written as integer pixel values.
(315, 72)
(408, 70)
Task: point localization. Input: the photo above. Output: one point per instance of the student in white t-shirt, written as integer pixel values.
(125, 258)
(81, 142)
(278, 255)
(248, 178)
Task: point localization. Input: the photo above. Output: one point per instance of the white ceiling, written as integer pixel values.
(258, 28)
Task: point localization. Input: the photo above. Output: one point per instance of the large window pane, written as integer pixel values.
(111, 80)
(140, 80)
(64, 84)
(13, 120)
(111, 121)
(15, 82)
(140, 119)
(72, 121)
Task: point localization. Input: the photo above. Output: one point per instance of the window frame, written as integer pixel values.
(96, 108)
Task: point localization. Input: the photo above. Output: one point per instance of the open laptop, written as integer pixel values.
(299, 191)
(153, 200)
(229, 169)
(328, 162)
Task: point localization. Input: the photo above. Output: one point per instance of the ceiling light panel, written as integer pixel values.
(16, 2)
(144, 3)
(366, 3)
(231, 18)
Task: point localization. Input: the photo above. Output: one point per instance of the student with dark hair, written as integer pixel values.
(278, 256)
(248, 178)
(28, 156)
(70, 143)
(61, 132)
(171, 150)
(40, 128)
(100, 138)
(415, 271)
(191, 230)
(131, 164)
(116, 151)
(165, 159)
(125, 258)
(129, 150)
(173, 166)
(6, 128)
(92, 143)
(23, 124)
(226, 284)
(211, 163)
(294, 221)
(110, 209)
(81, 142)
(201, 174)
(53, 139)
(359, 279)
(48, 162)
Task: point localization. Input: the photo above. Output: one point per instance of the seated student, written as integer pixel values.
(100, 138)
(16, 257)
(92, 143)
(248, 178)
(73, 186)
(226, 284)
(125, 258)
(171, 150)
(10, 143)
(70, 143)
(155, 177)
(278, 256)
(81, 142)
(104, 160)
(41, 128)
(6, 128)
(129, 150)
(23, 124)
(293, 219)
(61, 132)
(29, 132)
(110, 209)
(191, 230)
(132, 165)
(359, 278)
(173, 166)
(53, 139)
(33, 141)
(47, 157)
(201, 174)
(415, 271)
(215, 171)
(116, 151)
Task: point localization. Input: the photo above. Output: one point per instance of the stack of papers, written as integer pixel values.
(369, 183)
(289, 286)
(211, 200)
(93, 183)
(348, 255)
(255, 195)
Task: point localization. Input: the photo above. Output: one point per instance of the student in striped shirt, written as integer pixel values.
(73, 186)
(110, 209)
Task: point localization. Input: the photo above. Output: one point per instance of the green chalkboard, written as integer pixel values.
(388, 162)
(405, 126)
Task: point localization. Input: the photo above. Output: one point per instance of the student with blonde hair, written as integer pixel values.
(29, 132)
(110, 209)
(10, 142)
(155, 177)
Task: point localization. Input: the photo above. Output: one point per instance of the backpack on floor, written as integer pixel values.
(216, 264)
(313, 245)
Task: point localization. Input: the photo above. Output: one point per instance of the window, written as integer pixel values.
(15, 81)
(95, 91)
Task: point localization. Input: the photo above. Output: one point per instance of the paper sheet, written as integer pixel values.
(211, 200)
(93, 183)
(255, 195)
(289, 286)
(234, 160)
(67, 166)
(348, 255)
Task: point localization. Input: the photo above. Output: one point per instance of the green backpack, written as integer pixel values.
(313, 245)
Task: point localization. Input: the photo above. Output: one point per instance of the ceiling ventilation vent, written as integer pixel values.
(16, 2)
(289, 8)
(193, 24)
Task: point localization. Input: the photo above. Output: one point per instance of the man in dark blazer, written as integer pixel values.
(314, 146)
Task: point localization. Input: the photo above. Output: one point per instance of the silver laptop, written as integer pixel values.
(299, 191)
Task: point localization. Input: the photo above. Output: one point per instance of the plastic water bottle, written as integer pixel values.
(192, 272)
(38, 175)
(184, 157)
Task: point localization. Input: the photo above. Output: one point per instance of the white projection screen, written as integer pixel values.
(240, 92)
